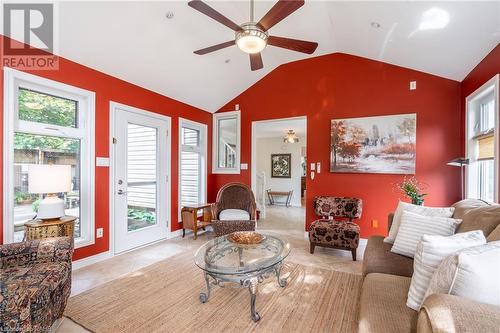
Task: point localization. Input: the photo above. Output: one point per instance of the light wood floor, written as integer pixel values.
(288, 222)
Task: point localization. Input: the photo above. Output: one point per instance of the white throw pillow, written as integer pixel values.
(234, 215)
(431, 250)
(473, 273)
(414, 226)
(421, 210)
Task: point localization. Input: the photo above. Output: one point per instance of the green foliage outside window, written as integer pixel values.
(47, 109)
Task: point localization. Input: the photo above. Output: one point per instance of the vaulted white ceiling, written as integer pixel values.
(136, 42)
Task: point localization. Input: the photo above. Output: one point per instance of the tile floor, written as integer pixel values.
(287, 222)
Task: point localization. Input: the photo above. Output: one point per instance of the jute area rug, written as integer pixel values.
(163, 297)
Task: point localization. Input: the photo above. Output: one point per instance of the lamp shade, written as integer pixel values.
(44, 178)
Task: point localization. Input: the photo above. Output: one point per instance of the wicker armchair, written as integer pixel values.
(35, 283)
(234, 196)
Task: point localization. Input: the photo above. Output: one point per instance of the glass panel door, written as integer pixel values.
(141, 192)
(141, 176)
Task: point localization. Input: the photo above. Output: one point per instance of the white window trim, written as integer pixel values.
(480, 92)
(215, 145)
(86, 100)
(203, 128)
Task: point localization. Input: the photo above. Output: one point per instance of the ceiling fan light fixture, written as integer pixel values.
(251, 39)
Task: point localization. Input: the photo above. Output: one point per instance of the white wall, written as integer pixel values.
(268, 146)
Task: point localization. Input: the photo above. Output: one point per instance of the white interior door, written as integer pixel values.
(140, 168)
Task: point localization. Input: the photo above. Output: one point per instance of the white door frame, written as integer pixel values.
(253, 147)
(113, 106)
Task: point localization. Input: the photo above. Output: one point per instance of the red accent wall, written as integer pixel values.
(108, 88)
(344, 86)
(484, 71)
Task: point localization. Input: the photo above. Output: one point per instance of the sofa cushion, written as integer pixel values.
(485, 218)
(463, 206)
(448, 313)
(378, 258)
(234, 215)
(494, 235)
(35, 291)
(383, 304)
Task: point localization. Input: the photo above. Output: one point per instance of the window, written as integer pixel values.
(482, 142)
(226, 142)
(46, 122)
(192, 162)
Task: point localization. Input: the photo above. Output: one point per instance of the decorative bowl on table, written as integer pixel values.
(246, 237)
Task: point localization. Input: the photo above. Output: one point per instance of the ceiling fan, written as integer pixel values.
(252, 37)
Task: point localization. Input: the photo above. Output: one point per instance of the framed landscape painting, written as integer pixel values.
(381, 144)
(281, 165)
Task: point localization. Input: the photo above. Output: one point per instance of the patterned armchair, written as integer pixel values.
(35, 281)
(234, 197)
(339, 232)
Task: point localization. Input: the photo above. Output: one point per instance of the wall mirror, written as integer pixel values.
(226, 142)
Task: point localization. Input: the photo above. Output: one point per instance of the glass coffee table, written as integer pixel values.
(224, 262)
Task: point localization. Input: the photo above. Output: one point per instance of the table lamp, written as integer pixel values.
(49, 179)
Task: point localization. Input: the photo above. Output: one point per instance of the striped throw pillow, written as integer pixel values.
(414, 226)
(420, 210)
(431, 251)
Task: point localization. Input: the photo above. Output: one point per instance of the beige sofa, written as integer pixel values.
(387, 279)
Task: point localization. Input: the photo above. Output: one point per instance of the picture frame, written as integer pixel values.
(377, 144)
(281, 165)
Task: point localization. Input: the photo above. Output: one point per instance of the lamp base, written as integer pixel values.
(51, 207)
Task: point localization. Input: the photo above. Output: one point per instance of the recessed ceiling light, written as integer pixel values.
(434, 18)
(169, 15)
(375, 25)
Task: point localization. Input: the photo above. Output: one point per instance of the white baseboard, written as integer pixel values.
(77, 264)
(174, 234)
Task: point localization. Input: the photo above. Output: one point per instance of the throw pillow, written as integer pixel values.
(414, 226)
(421, 210)
(472, 273)
(431, 250)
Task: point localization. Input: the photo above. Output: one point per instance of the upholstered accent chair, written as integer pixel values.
(35, 283)
(335, 228)
(234, 210)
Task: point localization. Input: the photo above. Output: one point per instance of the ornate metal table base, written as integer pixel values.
(249, 280)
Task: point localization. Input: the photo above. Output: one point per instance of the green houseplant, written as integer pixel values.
(412, 188)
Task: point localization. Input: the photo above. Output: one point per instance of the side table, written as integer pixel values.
(189, 215)
(38, 228)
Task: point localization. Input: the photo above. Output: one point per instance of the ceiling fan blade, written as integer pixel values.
(255, 61)
(214, 47)
(278, 12)
(209, 11)
(293, 44)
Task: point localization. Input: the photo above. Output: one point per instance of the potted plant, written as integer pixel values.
(412, 188)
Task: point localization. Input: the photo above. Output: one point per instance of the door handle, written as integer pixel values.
(121, 192)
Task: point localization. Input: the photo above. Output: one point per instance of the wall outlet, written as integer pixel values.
(100, 232)
(413, 85)
(244, 166)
